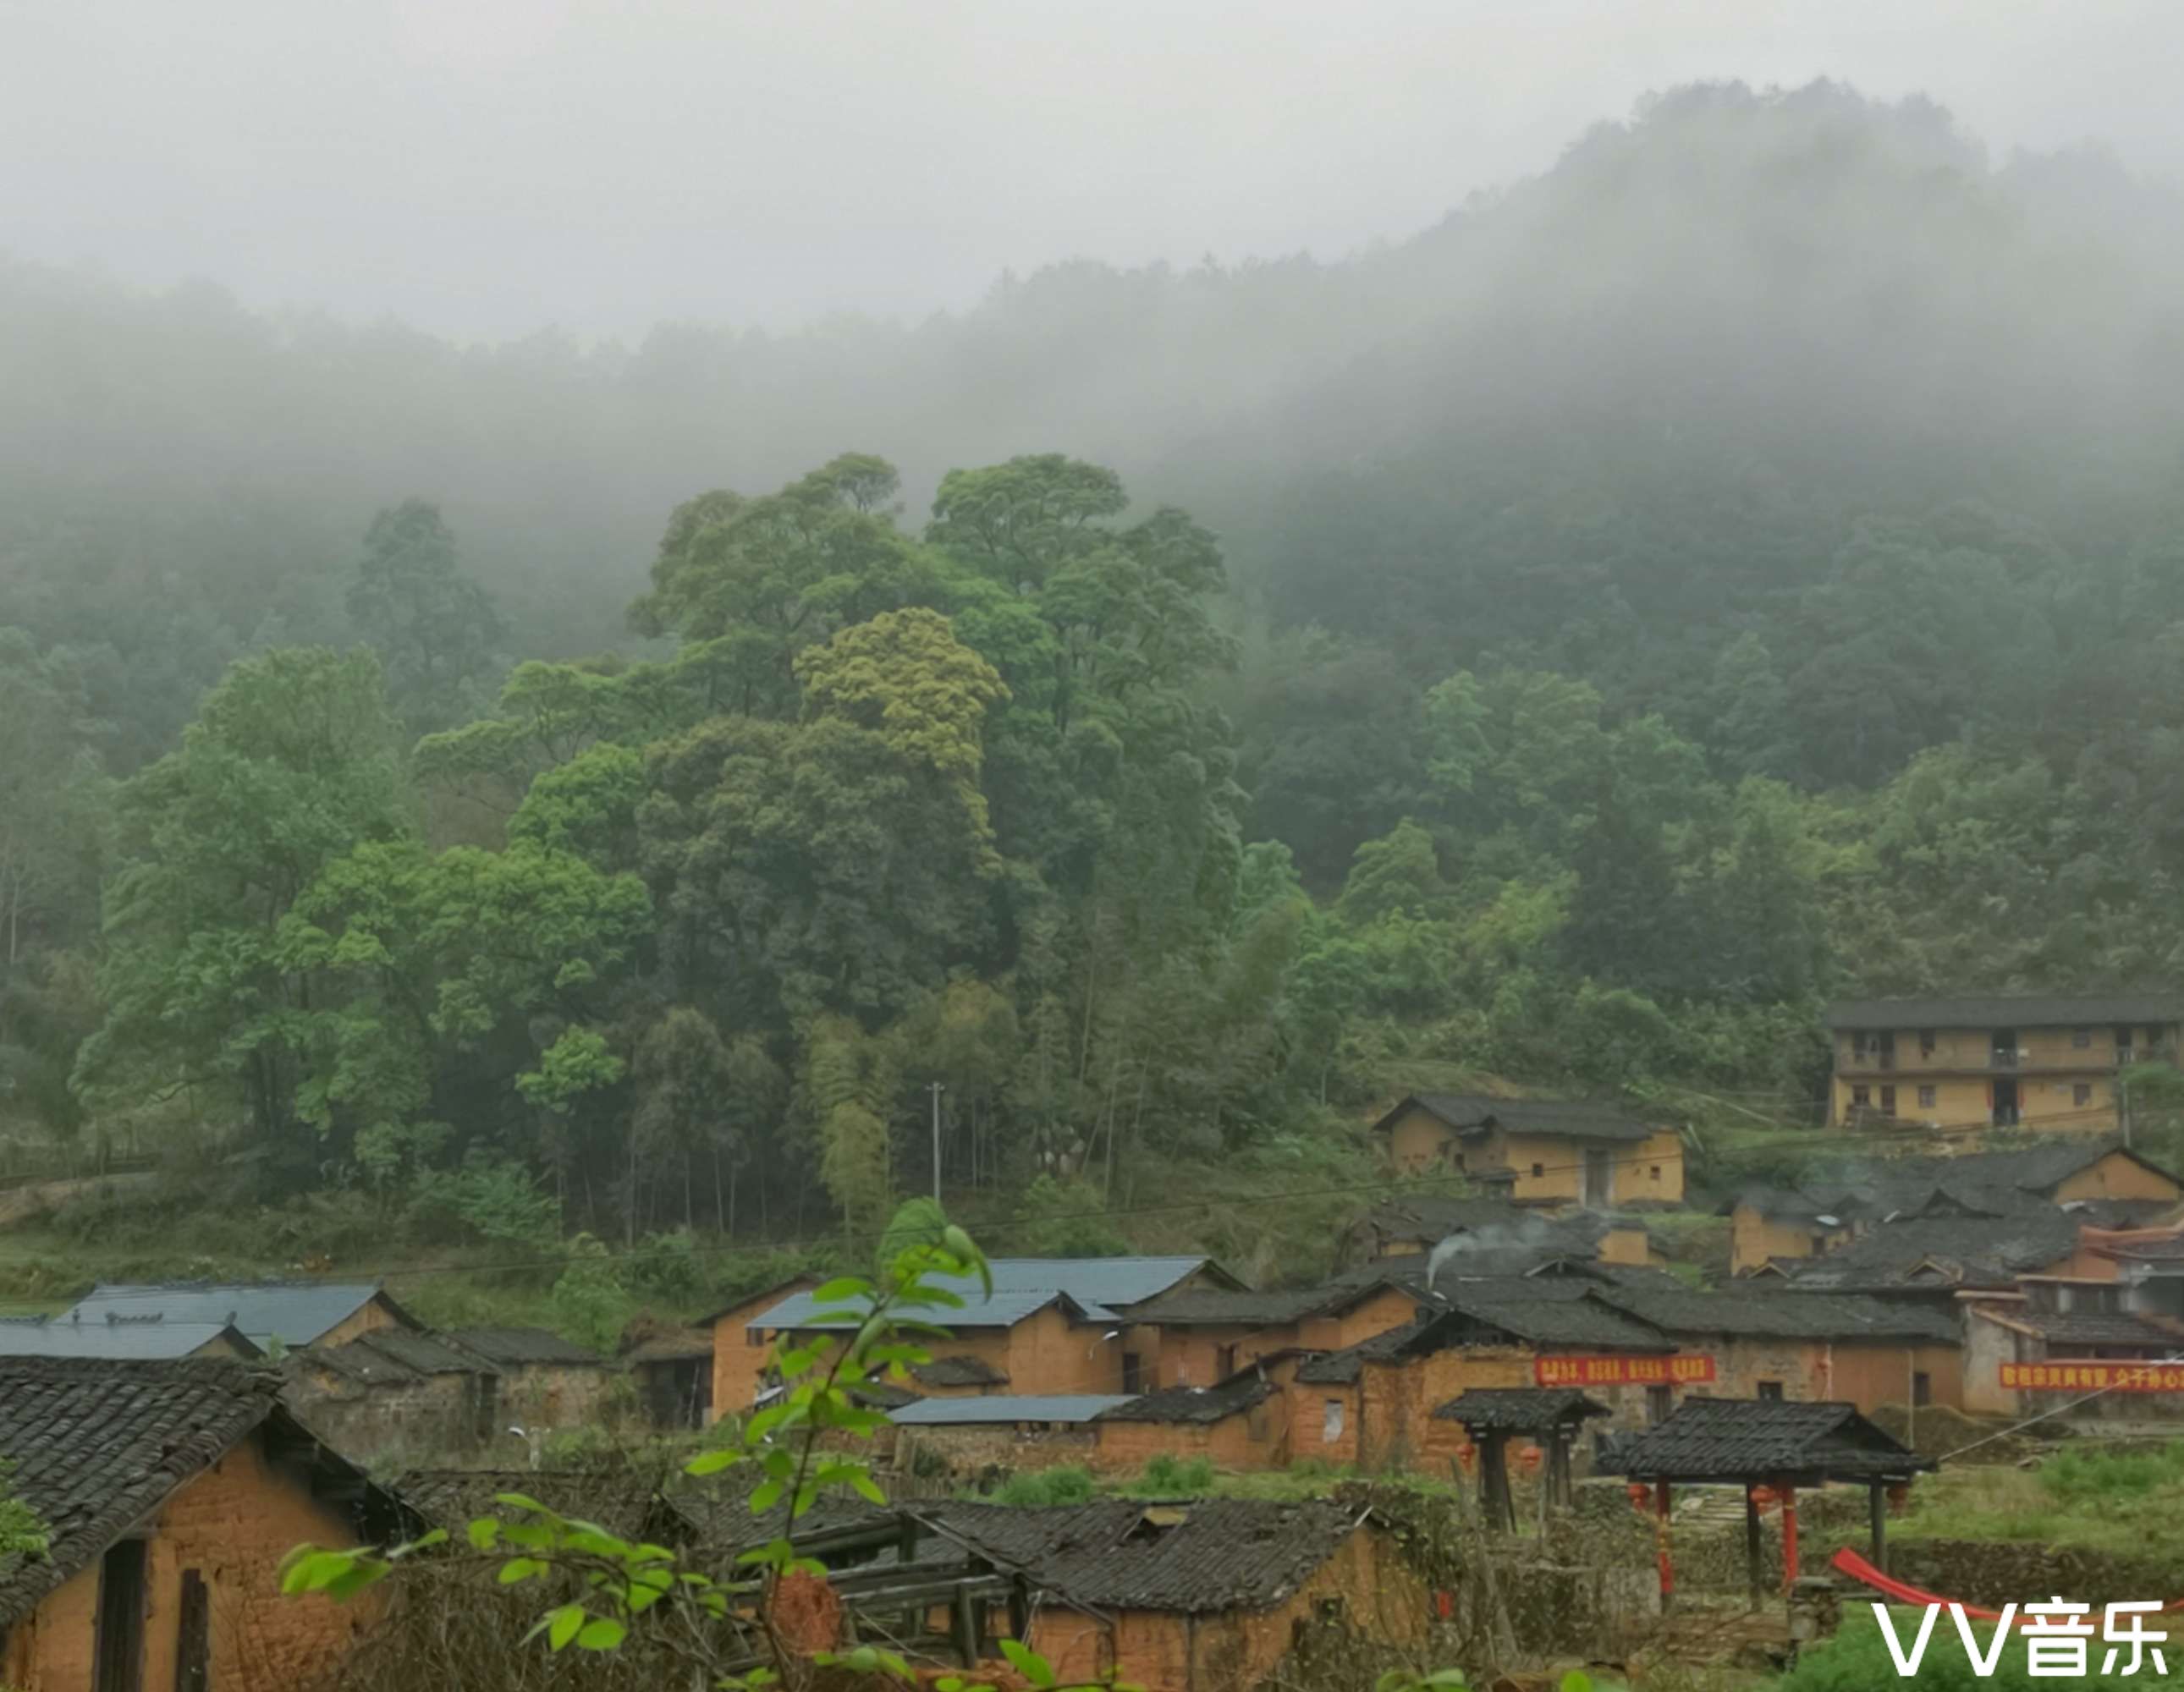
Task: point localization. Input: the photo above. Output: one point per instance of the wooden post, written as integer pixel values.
(1559, 1485)
(963, 1628)
(1877, 1499)
(1752, 1565)
(1789, 1536)
(1494, 1482)
(1661, 1545)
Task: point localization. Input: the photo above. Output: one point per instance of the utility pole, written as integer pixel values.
(938, 1089)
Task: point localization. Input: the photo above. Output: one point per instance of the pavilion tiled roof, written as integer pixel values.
(1518, 1410)
(1730, 1439)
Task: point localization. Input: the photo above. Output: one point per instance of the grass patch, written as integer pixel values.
(1857, 1660)
(2122, 1501)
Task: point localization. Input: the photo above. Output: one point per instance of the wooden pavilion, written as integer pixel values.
(1552, 1416)
(1773, 1443)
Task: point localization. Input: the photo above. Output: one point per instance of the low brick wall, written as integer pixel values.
(985, 1453)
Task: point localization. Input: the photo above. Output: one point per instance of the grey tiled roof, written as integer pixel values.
(1100, 1288)
(295, 1312)
(1585, 1322)
(1753, 1312)
(1518, 1410)
(957, 1371)
(1199, 1557)
(1966, 1251)
(145, 1339)
(1588, 1119)
(937, 1412)
(2029, 1011)
(1245, 1390)
(391, 1356)
(524, 1347)
(98, 1445)
(2096, 1327)
(1728, 1440)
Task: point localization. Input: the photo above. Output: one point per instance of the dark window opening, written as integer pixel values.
(1539, 1169)
(2081, 1038)
(1860, 1097)
(1130, 1383)
(1925, 1043)
(1884, 1049)
(119, 1649)
(1922, 1387)
(1653, 1171)
(1887, 1101)
(192, 1636)
(2082, 1092)
(753, 1336)
(1225, 1362)
(1659, 1402)
(2004, 1049)
(1926, 1098)
(1771, 1392)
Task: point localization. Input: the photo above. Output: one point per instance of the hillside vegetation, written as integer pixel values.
(1563, 648)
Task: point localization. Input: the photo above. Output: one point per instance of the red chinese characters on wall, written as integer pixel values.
(2112, 1377)
(1617, 1370)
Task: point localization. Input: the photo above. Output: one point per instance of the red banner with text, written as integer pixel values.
(1615, 1371)
(2095, 1378)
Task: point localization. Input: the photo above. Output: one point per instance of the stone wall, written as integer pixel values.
(1991, 1573)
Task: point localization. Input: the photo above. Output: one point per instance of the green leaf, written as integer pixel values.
(424, 1542)
(519, 1568)
(712, 1463)
(484, 1532)
(601, 1632)
(516, 1500)
(562, 1625)
(1027, 1662)
(840, 1288)
(1577, 1680)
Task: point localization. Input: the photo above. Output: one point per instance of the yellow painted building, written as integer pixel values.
(1536, 1151)
(1970, 1063)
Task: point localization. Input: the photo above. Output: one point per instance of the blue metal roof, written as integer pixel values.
(296, 1312)
(134, 1339)
(940, 1412)
(1024, 1286)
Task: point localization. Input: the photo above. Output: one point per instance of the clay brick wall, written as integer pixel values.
(372, 1314)
(442, 1412)
(1257, 1438)
(232, 1525)
(2117, 1176)
(547, 1395)
(968, 1450)
(739, 1357)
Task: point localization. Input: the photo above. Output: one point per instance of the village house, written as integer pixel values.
(400, 1390)
(170, 1492)
(671, 1370)
(1051, 1325)
(1240, 1423)
(1537, 1151)
(2030, 1359)
(394, 1389)
(2097, 1181)
(1372, 1404)
(144, 1338)
(1208, 1595)
(1199, 1338)
(2049, 1061)
(1001, 1432)
(546, 1381)
(287, 1313)
(1809, 1347)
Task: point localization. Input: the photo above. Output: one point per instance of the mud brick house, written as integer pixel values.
(2023, 1361)
(1537, 1151)
(2041, 1062)
(1004, 1431)
(291, 1312)
(1809, 1346)
(171, 1490)
(545, 1381)
(1504, 1239)
(1207, 1595)
(739, 1346)
(1051, 1325)
(1201, 1337)
(1372, 1404)
(2099, 1182)
(1241, 1423)
(143, 1339)
(394, 1388)
(671, 1370)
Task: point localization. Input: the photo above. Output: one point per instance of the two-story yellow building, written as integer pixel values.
(1537, 1151)
(2041, 1062)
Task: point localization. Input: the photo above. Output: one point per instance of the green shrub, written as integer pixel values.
(1857, 1660)
(1067, 1484)
(2084, 1477)
(1169, 1473)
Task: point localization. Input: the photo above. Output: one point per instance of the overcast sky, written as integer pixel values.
(487, 167)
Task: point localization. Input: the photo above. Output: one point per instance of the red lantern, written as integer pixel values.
(1899, 1494)
(1529, 1459)
(1467, 1454)
(1642, 1495)
(1763, 1497)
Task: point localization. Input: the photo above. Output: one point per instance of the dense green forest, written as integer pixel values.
(1740, 565)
